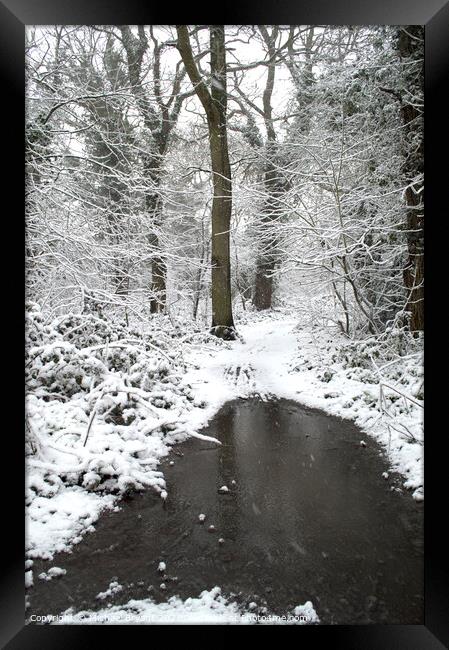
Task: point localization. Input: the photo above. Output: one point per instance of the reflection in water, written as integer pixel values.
(309, 518)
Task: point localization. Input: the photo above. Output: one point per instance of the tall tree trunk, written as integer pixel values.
(268, 253)
(414, 270)
(198, 284)
(411, 51)
(215, 105)
(159, 125)
(154, 207)
(222, 201)
(267, 257)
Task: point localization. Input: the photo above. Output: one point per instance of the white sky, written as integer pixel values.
(254, 79)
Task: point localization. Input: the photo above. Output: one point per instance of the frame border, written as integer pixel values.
(434, 14)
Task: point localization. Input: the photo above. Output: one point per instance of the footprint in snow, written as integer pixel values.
(240, 375)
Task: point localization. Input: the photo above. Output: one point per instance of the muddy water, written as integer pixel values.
(308, 516)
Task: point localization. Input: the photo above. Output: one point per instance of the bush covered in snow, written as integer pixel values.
(395, 358)
(103, 402)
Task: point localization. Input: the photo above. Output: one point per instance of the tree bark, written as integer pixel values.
(267, 257)
(215, 106)
(275, 186)
(411, 51)
(160, 126)
(154, 208)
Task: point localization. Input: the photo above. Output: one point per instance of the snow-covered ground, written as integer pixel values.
(107, 431)
(210, 607)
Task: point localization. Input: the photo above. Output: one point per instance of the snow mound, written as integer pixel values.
(210, 607)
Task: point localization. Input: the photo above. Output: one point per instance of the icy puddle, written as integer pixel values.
(307, 515)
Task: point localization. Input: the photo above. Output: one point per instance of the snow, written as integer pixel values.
(418, 494)
(55, 523)
(307, 610)
(114, 588)
(54, 572)
(28, 579)
(217, 84)
(210, 607)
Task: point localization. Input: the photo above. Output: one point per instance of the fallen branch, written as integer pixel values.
(92, 416)
(200, 436)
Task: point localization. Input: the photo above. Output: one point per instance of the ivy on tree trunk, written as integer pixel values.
(215, 105)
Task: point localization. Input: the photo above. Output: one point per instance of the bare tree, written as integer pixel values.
(160, 118)
(215, 105)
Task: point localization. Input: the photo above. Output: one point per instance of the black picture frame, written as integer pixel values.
(434, 14)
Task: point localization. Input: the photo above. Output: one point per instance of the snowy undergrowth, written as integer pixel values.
(104, 402)
(210, 607)
(372, 383)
